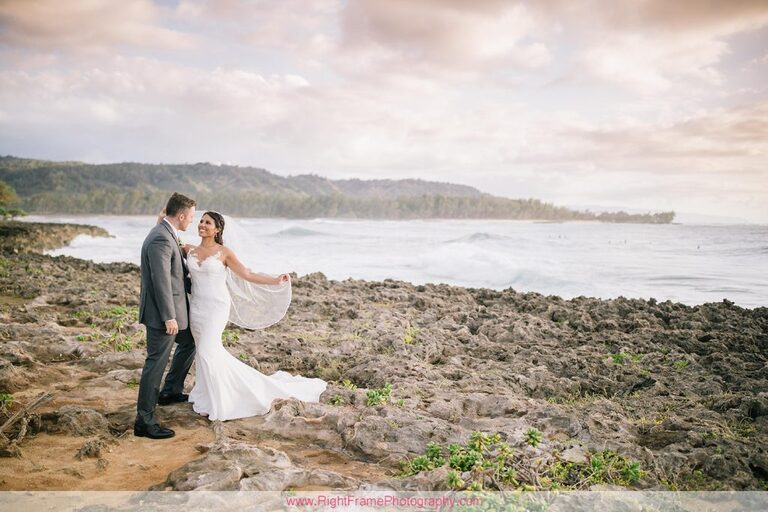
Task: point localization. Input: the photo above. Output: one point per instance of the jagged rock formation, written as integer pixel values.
(682, 390)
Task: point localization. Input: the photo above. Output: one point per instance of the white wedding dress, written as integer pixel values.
(225, 387)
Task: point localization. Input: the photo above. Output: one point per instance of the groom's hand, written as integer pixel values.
(171, 327)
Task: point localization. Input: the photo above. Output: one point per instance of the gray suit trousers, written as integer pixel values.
(159, 346)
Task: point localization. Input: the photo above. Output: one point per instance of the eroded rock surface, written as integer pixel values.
(682, 390)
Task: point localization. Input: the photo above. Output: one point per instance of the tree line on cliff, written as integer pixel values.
(134, 188)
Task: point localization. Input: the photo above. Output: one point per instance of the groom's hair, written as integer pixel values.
(177, 203)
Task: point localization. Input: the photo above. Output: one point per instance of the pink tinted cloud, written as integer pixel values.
(653, 46)
(86, 26)
(453, 34)
(300, 26)
(710, 16)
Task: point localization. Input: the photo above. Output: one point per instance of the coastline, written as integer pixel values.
(36, 237)
(681, 390)
(43, 218)
(689, 264)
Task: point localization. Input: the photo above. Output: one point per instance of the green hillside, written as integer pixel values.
(135, 188)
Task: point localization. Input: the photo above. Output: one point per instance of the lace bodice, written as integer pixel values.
(209, 278)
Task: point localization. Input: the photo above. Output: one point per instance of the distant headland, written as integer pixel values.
(50, 187)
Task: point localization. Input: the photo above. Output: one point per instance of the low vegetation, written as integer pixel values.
(486, 462)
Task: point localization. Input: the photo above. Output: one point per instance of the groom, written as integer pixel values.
(164, 310)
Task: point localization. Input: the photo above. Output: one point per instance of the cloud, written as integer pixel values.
(359, 128)
(302, 27)
(148, 110)
(438, 89)
(657, 16)
(648, 65)
(739, 132)
(92, 26)
(387, 35)
(653, 46)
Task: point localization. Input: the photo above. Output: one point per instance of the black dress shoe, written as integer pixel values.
(152, 431)
(166, 399)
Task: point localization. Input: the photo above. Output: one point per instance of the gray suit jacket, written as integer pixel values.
(163, 296)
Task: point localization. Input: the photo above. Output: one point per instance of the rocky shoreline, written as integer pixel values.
(431, 387)
(36, 237)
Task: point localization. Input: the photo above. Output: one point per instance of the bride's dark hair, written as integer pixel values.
(218, 220)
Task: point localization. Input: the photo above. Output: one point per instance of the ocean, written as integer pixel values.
(692, 264)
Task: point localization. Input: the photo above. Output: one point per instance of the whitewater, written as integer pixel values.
(692, 264)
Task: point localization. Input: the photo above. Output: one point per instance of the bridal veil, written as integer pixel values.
(254, 306)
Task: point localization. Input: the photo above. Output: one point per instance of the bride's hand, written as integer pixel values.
(283, 278)
(161, 216)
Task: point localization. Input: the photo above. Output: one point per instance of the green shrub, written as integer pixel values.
(125, 345)
(379, 396)
(605, 467)
(454, 480)
(492, 464)
(532, 437)
(410, 334)
(230, 337)
(618, 358)
(6, 400)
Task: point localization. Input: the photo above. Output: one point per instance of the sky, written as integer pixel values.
(643, 104)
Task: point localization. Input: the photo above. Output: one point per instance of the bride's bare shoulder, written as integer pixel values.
(229, 255)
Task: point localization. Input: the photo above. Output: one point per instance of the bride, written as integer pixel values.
(223, 290)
